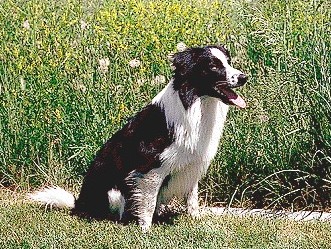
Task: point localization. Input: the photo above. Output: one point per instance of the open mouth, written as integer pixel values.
(231, 97)
(234, 98)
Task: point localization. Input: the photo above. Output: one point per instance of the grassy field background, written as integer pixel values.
(66, 85)
(27, 226)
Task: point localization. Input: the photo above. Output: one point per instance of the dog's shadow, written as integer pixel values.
(167, 217)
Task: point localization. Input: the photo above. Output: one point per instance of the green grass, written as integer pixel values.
(23, 225)
(57, 106)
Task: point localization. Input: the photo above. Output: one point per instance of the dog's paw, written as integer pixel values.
(194, 213)
(145, 224)
(145, 228)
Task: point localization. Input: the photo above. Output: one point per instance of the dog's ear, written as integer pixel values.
(182, 62)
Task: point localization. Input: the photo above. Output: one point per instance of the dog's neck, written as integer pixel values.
(202, 120)
(187, 94)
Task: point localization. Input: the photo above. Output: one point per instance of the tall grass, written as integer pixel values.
(66, 85)
(280, 154)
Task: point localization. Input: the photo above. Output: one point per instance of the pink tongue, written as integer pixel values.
(234, 98)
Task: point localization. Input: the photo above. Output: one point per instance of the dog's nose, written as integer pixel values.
(242, 79)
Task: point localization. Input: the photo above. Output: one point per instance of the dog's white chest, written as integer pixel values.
(210, 128)
(197, 130)
(197, 136)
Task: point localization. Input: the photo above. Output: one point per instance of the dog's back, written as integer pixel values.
(134, 148)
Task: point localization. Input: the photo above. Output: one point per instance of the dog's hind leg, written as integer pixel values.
(145, 189)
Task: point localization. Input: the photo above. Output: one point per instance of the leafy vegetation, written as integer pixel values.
(67, 84)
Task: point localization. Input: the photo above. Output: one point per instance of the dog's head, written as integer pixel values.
(207, 71)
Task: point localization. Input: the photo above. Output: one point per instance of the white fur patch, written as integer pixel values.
(231, 73)
(54, 197)
(116, 202)
(197, 132)
(220, 55)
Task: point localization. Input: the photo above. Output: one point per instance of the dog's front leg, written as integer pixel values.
(193, 202)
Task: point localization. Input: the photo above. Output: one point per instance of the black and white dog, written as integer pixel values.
(165, 149)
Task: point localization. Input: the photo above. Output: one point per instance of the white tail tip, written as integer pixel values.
(54, 197)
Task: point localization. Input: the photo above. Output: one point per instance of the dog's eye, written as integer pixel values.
(214, 68)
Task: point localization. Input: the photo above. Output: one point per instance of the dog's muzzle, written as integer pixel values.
(237, 80)
(242, 79)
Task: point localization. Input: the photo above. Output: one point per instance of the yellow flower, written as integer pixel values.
(58, 114)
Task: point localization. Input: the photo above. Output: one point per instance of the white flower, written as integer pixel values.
(119, 89)
(134, 63)
(82, 87)
(181, 47)
(159, 79)
(74, 44)
(23, 83)
(104, 64)
(264, 118)
(83, 25)
(141, 82)
(26, 24)
(171, 60)
(171, 57)
(39, 44)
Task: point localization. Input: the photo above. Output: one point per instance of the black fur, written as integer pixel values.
(138, 145)
(197, 74)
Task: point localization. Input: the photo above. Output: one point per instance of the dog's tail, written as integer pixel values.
(54, 197)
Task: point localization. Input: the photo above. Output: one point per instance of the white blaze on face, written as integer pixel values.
(231, 73)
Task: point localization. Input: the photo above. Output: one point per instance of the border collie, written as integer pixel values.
(165, 149)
